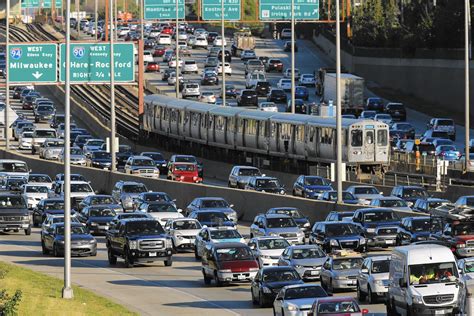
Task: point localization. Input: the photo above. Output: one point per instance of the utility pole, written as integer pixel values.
(112, 91)
(96, 19)
(67, 292)
(78, 25)
(338, 106)
(293, 39)
(7, 83)
(177, 50)
(223, 53)
(467, 28)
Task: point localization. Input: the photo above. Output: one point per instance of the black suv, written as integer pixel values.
(277, 96)
(410, 193)
(338, 235)
(397, 111)
(262, 88)
(247, 98)
(139, 240)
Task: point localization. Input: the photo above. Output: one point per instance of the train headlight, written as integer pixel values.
(357, 152)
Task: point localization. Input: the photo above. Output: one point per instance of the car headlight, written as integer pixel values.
(379, 282)
(292, 308)
(266, 290)
(362, 240)
(93, 224)
(307, 224)
(265, 257)
(417, 299)
(309, 190)
(297, 266)
(282, 192)
(25, 218)
(133, 244)
(334, 242)
(340, 278)
(92, 241)
(371, 230)
(61, 241)
(169, 243)
(273, 234)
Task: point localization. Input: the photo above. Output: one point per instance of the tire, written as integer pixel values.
(55, 250)
(282, 312)
(391, 311)
(330, 289)
(112, 258)
(371, 298)
(261, 302)
(219, 283)
(169, 262)
(128, 260)
(28, 231)
(323, 285)
(254, 301)
(207, 280)
(360, 295)
(94, 254)
(44, 250)
(196, 256)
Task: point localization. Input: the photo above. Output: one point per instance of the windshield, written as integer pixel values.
(267, 183)
(95, 143)
(463, 229)
(191, 159)
(214, 204)
(144, 228)
(281, 222)
(56, 205)
(280, 276)
(13, 167)
(47, 134)
(156, 197)
(225, 234)
(134, 188)
(345, 264)
(80, 187)
(45, 108)
(102, 212)
(234, 253)
(381, 266)
(75, 230)
(249, 172)
(304, 292)
(432, 273)
(12, 202)
(469, 266)
(183, 225)
(366, 190)
(184, 167)
(404, 127)
(212, 217)
(379, 217)
(338, 307)
(55, 144)
(414, 192)
(156, 156)
(16, 182)
(447, 148)
(144, 162)
(445, 122)
(341, 230)
(308, 253)
(102, 200)
(273, 244)
(393, 203)
(314, 181)
(160, 208)
(423, 225)
(345, 196)
(290, 212)
(36, 189)
(101, 155)
(39, 179)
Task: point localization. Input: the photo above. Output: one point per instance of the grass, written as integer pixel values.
(41, 295)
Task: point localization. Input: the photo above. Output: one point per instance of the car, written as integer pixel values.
(191, 90)
(287, 47)
(307, 80)
(406, 130)
(25, 141)
(284, 84)
(183, 232)
(247, 97)
(190, 66)
(240, 175)
(44, 112)
(293, 212)
(161, 210)
(208, 97)
(33, 193)
(22, 126)
(219, 41)
(347, 197)
(335, 216)
(311, 186)
(172, 78)
(40, 135)
(380, 225)
(337, 235)
(211, 62)
(443, 125)
(448, 153)
(77, 156)
(51, 219)
(152, 66)
(209, 78)
(367, 115)
(164, 39)
(212, 218)
(442, 141)
(274, 64)
(268, 249)
(200, 42)
(79, 190)
(392, 202)
(248, 54)
(212, 204)
(82, 243)
(15, 213)
(285, 33)
(430, 134)
(287, 74)
(252, 78)
(459, 236)
(142, 166)
(267, 107)
(217, 234)
(365, 193)
(425, 205)
(230, 91)
(40, 179)
(332, 306)
(413, 229)
(99, 159)
(91, 145)
(139, 240)
(254, 65)
(14, 184)
(97, 218)
(187, 159)
(340, 272)
(227, 69)
(102, 200)
(306, 259)
(227, 56)
(277, 96)
(294, 299)
(51, 148)
(265, 184)
(409, 193)
(372, 281)
(148, 56)
(269, 281)
(465, 201)
(183, 172)
(277, 225)
(384, 118)
(125, 191)
(262, 87)
(466, 269)
(158, 158)
(81, 139)
(375, 104)
(396, 110)
(228, 263)
(150, 196)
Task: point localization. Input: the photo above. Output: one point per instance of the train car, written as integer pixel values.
(365, 145)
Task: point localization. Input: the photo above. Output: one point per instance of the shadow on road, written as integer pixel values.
(210, 304)
(20, 242)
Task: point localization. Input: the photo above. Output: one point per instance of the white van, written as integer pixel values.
(424, 281)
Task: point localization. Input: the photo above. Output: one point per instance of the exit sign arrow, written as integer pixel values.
(37, 74)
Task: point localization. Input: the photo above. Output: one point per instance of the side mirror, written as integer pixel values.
(381, 193)
(232, 205)
(264, 175)
(364, 271)
(180, 210)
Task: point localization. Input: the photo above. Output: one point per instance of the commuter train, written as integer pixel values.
(309, 138)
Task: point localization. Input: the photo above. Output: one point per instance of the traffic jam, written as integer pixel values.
(405, 249)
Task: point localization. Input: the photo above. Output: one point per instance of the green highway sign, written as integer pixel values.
(45, 4)
(211, 10)
(32, 63)
(30, 4)
(281, 9)
(90, 62)
(163, 9)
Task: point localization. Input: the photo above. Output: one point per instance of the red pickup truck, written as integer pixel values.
(184, 172)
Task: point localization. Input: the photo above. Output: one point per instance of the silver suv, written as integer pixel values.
(191, 90)
(240, 176)
(126, 191)
(277, 225)
(142, 166)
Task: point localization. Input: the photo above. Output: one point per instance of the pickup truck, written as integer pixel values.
(139, 240)
(253, 65)
(14, 214)
(459, 236)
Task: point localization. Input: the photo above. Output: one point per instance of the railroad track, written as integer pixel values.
(96, 96)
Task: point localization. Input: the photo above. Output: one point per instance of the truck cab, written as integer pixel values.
(460, 237)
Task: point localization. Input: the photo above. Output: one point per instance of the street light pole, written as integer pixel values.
(177, 50)
(467, 26)
(293, 56)
(96, 19)
(112, 91)
(338, 106)
(7, 83)
(223, 53)
(67, 292)
(142, 17)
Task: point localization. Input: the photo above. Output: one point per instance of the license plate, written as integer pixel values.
(104, 227)
(314, 272)
(389, 242)
(439, 312)
(152, 254)
(397, 113)
(241, 277)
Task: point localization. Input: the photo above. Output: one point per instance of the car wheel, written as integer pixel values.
(282, 312)
(371, 299)
(44, 250)
(330, 289)
(55, 251)
(218, 282)
(28, 231)
(360, 294)
(196, 256)
(207, 280)
(261, 302)
(128, 260)
(112, 258)
(169, 262)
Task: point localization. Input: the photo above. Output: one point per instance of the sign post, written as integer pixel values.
(32, 63)
(163, 9)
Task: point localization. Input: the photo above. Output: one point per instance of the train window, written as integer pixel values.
(211, 120)
(382, 137)
(173, 116)
(345, 137)
(261, 130)
(273, 129)
(203, 121)
(186, 118)
(300, 133)
(230, 124)
(220, 122)
(312, 133)
(356, 136)
(285, 131)
(251, 127)
(195, 119)
(240, 126)
(369, 137)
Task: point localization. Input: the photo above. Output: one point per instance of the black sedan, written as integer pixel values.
(209, 78)
(247, 97)
(99, 159)
(277, 96)
(287, 47)
(269, 281)
(97, 218)
(82, 243)
(230, 91)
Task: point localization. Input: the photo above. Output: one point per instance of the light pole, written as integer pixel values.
(223, 53)
(338, 106)
(467, 27)
(112, 91)
(67, 292)
(7, 83)
(96, 19)
(142, 20)
(293, 56)
(177, 50)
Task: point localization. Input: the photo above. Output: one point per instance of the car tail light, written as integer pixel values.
(195, 178)
(365, 311)
(460, 244)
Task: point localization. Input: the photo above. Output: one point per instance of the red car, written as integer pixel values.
(184, 172)
(167, 30)
(336, 306)
(159, 51)
(152, 67)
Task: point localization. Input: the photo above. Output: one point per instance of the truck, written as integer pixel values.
(14, 213)
(352, 92)
(241, 42)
